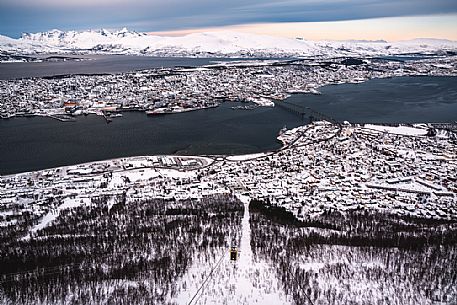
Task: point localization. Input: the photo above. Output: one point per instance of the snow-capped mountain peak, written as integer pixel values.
(79, 40)
(220, 43)
(104, 32)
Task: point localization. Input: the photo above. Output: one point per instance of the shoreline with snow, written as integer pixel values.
(283, 138)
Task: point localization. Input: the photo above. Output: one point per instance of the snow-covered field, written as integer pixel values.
(400, 130)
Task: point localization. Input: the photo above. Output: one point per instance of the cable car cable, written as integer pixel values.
(207, 278)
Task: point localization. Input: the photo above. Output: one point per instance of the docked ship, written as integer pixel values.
(160, 111)
(177, 109)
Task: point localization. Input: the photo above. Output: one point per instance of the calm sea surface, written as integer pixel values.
(390, 100)
(98, 64)
(38, 143)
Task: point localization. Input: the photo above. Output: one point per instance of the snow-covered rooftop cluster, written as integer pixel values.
(171, 90)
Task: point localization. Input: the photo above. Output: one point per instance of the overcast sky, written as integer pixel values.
(17, 16)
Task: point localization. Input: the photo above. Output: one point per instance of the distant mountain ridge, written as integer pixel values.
(56, 36)
(224, 43)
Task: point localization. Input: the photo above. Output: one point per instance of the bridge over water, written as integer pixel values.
(304, 112)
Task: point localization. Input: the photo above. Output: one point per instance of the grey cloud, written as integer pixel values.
(33, 15)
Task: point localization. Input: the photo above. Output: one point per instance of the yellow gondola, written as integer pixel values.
(233, 253)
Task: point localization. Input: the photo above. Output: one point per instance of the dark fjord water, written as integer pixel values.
(101, 64)
(37, 143)
(390, 100)
(98, 64)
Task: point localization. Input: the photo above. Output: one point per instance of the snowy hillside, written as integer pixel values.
(210, 43)
(20, 46)
(125, 41)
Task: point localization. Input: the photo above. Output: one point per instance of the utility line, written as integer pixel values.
(207, 278)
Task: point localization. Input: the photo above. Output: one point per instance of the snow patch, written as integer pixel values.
(173, 173)
(400, 130)
(47, 219)
(246, 157)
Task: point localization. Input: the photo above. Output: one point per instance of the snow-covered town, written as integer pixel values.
(172, 90)
(321, 166)
(228, 152)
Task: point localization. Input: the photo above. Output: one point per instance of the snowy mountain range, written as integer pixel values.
(224, 43)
